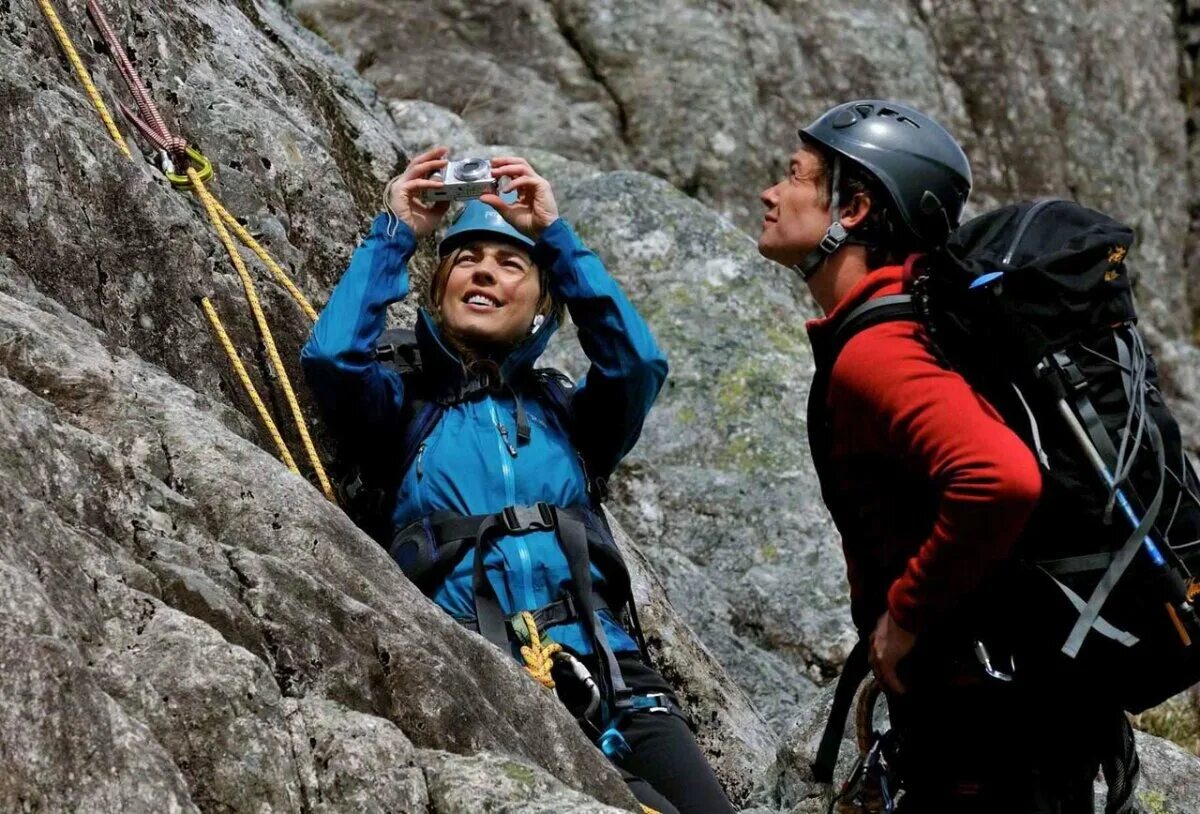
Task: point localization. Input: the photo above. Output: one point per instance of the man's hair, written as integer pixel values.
(887, 239)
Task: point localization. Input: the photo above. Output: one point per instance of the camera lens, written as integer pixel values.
(473, 169)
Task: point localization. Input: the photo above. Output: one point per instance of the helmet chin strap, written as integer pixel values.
(835, 236)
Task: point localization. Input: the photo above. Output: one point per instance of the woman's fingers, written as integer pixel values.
(421, 169)
(522, 183)
(430, 154)
(422, 183)
(512, 166)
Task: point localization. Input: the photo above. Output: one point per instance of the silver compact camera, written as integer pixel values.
(463, 179)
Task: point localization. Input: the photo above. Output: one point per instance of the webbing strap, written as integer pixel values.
(872, 312)
(1077, 388)
(1078, 564)
(573, 535)
(1090, 614)
(1102, 626)
(854, 671)
(556, 613)
(488, 614)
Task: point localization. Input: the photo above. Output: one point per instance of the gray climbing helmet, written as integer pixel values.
(918, 163)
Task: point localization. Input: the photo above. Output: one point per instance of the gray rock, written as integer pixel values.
(350, 761)
(466, 785)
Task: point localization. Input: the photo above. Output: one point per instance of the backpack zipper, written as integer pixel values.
(421, 459)
(1024, 224)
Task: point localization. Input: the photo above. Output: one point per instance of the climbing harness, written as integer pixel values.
(186, 168)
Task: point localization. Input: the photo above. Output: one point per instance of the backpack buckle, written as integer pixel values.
(538, 517)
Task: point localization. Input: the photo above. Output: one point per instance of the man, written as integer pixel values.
(928, 487)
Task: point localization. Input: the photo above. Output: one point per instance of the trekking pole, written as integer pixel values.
(1179, 608)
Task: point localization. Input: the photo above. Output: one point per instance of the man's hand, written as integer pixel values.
(535, 207)
(404, 192)
(890, 643)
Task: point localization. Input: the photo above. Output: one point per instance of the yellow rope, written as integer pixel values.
(248, 385)
(82, 72)
(279, 274)
(219, 217)
(538, 659)
(648, 810)
(264, 329)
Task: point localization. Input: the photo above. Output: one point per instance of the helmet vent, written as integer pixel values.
(898, 116)
(864, 110)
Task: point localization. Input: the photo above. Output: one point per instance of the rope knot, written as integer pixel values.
(538, 659)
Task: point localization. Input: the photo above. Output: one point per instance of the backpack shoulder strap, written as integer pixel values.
(368, 490)
(898, 307)
(556, 390)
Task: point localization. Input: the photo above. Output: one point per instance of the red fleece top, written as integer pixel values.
(935, 488)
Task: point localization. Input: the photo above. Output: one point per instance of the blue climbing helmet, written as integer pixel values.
(478, 221)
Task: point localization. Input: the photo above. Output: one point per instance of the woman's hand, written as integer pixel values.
(535, 207)
(404, 193)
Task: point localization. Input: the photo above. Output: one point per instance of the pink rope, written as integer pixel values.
(151, 124)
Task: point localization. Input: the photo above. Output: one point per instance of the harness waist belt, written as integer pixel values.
(556, 613)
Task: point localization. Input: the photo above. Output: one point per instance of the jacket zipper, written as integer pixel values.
(420, 475)
(510, 497)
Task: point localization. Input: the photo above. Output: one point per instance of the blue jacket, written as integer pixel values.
(465, 464)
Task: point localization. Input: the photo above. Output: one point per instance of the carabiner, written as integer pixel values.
(199, 161)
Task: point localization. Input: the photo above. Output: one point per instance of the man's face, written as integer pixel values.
(797, 212)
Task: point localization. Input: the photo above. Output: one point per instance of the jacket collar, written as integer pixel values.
(449, 377)
(881, 282)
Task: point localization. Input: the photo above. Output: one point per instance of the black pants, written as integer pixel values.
(986, 747)
(666, 769)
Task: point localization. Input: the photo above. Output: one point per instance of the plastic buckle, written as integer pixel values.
(834, 237)
(613, 744)
(661, 704)
(203, 169)
(524, 518)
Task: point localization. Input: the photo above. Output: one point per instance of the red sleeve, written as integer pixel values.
(929, 417)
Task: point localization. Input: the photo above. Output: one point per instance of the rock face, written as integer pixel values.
(187, 626)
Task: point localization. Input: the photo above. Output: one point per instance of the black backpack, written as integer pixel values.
(374, 467)
(1032, 303)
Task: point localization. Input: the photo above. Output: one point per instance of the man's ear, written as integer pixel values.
(856, 210)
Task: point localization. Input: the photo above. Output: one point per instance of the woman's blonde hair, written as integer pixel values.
(546, 305)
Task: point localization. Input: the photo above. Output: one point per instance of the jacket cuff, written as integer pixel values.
(394, 233)
(556, 240)
(903, 610)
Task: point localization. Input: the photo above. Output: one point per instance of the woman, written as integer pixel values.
(508, 461)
